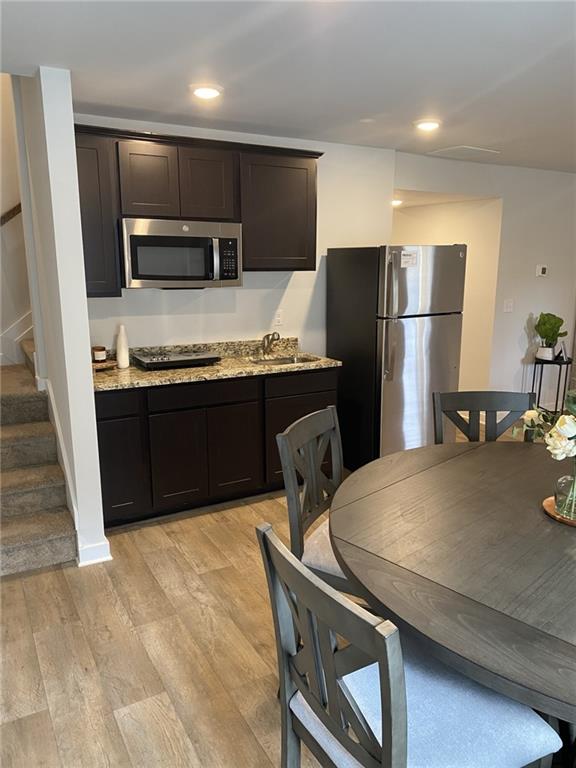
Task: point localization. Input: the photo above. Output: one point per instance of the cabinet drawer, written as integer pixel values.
(177, 396)
(117, 404)
(301, 383)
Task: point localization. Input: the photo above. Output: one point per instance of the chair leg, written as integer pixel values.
(290, 747)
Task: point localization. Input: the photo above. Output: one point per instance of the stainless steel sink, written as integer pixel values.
(291, 360)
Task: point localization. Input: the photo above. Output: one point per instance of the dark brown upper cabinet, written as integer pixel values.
(208, 183)
(278, 212)
(149, 182)
(99, 210)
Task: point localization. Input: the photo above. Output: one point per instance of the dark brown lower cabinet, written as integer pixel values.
(169, 448)
(124, 469)
(179, 458)
(280, 413)
(235, 449)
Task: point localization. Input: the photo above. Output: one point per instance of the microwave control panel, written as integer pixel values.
(228, 258)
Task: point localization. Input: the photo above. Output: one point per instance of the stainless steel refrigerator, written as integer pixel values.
(394, 318)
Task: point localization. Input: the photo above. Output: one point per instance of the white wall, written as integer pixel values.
(477, 224)
(538, 220)
(15, 317)
(50, 201)
(355, 186)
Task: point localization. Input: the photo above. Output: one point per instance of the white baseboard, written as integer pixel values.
(10, 338)
(94, 553)
(88, 554)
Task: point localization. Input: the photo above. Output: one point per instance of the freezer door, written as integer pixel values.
(420, 355)
(425, 279)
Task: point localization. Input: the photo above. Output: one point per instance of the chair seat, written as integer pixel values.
(453, 722)
(319, 555)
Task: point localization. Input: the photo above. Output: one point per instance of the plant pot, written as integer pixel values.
(546, 353)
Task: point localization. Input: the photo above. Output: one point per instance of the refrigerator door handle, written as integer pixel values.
(394, 278)
(389, 350)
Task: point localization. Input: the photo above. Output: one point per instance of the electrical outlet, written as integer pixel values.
(278, 318)
(508, 305)
(541, 270)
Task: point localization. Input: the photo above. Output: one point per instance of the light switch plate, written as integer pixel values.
(508, 305)
(278, 318)
(541, 270)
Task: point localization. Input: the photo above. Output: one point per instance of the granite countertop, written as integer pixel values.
(235, 363)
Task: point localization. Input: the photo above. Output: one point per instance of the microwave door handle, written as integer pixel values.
(216, 258)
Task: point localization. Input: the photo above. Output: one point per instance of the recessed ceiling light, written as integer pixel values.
(427, 125)
(206, 92)
(396, 203)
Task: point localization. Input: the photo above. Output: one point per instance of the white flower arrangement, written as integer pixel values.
(559, 434)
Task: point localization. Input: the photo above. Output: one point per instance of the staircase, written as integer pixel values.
(36, 528)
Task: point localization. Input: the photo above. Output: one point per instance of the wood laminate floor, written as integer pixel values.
(163, 657)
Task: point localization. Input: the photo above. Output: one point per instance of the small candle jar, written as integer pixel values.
(99, 354)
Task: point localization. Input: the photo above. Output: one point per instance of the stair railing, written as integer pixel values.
(9, 215)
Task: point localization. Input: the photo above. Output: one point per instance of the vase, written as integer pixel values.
(122, 350)
(570, 403)
(562, 506)
(565, 497)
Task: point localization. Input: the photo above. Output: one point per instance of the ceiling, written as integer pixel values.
(500, 75)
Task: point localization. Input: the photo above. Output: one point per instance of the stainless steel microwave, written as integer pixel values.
(181, 254)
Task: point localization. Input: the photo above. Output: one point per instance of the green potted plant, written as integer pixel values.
(548, 329)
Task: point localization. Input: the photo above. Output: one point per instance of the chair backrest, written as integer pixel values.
(451, 404)
(321, 636)
(303, 448)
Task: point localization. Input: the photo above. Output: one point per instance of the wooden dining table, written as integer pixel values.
(451, 543)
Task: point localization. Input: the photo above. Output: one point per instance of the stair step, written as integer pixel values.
(37, 540)
(23, 445)
(31, 489)
(27, 346)
(20, 401)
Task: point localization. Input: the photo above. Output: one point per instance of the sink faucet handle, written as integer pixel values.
(268, 341)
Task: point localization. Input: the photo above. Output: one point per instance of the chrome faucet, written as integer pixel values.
(268, 342)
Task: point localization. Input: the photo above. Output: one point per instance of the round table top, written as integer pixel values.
(451, 542)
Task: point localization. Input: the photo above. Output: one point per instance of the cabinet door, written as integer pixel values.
(278, 212)
(149, 179)
(235, 449)
(179, 458)
(124, 469)
(280, 413)
(99, 210)
(208, 183)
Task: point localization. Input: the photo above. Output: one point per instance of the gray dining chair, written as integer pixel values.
(311, 455)
(453, 404)
(360, 697)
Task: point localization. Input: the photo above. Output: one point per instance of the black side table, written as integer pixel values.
(563, 367)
